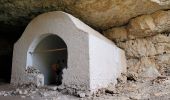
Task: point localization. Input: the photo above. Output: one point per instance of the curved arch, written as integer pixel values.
(32, 47)
(45, 52)
(90, 55)
(62, 25)
(74, 33)
(34, 44)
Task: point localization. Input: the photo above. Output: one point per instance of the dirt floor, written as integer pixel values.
(143, 89)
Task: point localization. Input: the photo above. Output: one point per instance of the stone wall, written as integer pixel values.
(146, 40)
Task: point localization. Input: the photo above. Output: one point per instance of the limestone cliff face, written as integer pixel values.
(100, 14)
(146, 40)
(140, 27)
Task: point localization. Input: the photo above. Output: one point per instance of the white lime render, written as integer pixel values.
(93, 61)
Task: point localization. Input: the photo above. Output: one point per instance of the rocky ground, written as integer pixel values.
(141, 89)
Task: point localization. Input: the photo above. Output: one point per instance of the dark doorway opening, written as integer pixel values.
(5, 72)
(5, 61)
(50, 57)
(9, 35)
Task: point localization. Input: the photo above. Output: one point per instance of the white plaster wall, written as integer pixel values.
(107, 62)
(93, 60)
(58, 23)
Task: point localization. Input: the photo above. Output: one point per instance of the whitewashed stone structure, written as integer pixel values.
(91, 60)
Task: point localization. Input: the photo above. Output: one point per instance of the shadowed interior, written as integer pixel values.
(50, 57)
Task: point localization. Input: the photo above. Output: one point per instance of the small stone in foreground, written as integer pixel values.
(81, 94)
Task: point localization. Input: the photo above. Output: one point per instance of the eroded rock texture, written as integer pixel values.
(142, 26)
(146, 40)
(100, 14)
(135, 26)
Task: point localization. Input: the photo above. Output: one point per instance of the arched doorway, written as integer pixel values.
(50, 57)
